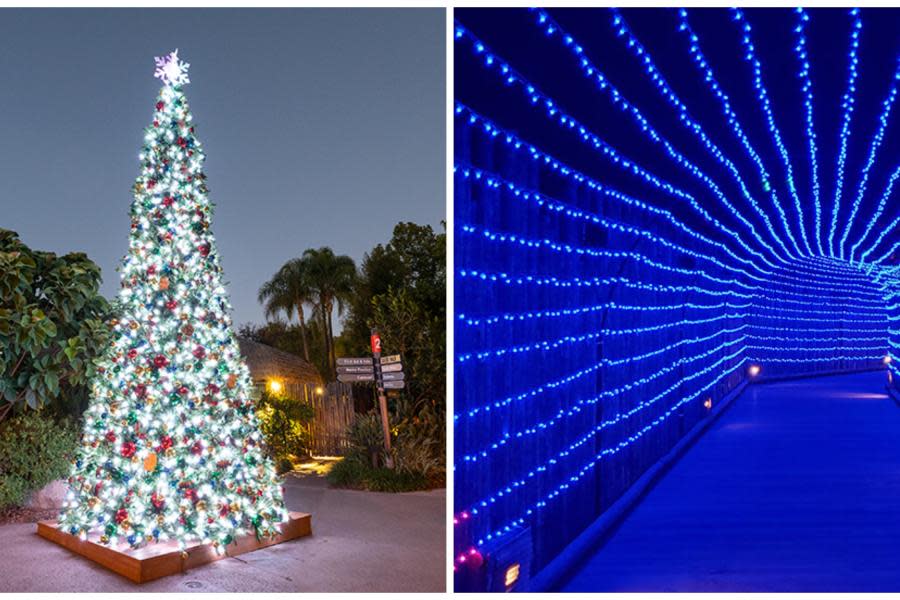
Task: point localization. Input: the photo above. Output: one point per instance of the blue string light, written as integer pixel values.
(848, 102)
(874, 146)
(800, 48)
(606, 300)
(763, 97)
(556, 115)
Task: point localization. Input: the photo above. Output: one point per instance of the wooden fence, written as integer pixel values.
(334, 415)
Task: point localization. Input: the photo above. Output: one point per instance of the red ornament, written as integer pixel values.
(171, 305)
(156, 123)
(157, 501)
(110, 437)
(165, 442)
(212, 388)
(160, 361)
(128, 449)
(121, 515)
(140, 390)
(183, 390)
(160, 105)
(151, 270)
(168, 201)
(132, 354)
(197, 448)
(199, 352)
(474, 558)
(204, 249)
(151, 183)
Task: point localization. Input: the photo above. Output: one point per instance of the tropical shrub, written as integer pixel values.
(285, 423)
(366, 437)
(51, 327)
(35, 449)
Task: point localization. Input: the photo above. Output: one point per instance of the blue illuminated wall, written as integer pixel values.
(638, 224)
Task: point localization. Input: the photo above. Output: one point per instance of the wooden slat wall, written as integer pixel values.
(334, 415)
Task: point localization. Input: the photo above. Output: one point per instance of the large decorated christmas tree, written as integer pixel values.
(171, 449)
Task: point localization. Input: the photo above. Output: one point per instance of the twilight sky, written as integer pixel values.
(321, 127)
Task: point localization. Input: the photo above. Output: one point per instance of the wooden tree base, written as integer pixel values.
(164, 558)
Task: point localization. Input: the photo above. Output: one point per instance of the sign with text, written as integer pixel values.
(392, 368)
(399, 376)
(393, 358)
(354, 361)
(359, 369)
(352, 377)
(394, 385)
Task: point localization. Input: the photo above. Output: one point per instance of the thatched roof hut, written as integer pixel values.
(267, 363)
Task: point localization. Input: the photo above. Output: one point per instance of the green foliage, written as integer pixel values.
(285, 424)
(415, 260)
(367, 438)
(35, 449)
(352, 472)
(51, 327)
(321, 280)
(419, 446)
(417, 449)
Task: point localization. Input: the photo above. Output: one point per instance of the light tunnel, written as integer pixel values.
(653, 209)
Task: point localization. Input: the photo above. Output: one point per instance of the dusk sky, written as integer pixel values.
(321, 127)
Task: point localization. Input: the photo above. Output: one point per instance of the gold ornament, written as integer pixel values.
(163, 283)
(150, 462)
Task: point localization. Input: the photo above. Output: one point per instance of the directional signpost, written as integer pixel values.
(385, 371)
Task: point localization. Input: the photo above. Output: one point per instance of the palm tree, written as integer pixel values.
(288, 291)
(331, 279)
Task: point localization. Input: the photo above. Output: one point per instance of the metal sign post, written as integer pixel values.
(375, 340)
(387, 374)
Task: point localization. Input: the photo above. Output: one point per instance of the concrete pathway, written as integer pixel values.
(361, 542)
(795, 489)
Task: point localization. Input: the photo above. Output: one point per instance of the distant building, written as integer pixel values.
(268, 365)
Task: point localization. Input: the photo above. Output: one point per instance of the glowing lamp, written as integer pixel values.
(319, 391)
(512, 575)
(707, 404)
(887, 359)
(753, 370)
(275, 386)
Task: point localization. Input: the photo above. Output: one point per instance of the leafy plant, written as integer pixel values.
(35, 449)
(356, 473)
(51, 327)
(367, 438)
(285, 424)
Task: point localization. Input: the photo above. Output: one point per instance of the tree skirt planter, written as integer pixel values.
(164, 558)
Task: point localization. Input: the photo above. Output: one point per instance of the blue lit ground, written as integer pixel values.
(795, 488)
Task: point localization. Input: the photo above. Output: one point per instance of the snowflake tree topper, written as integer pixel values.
(171, 70)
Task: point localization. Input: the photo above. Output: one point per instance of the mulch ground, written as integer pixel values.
(20, 514)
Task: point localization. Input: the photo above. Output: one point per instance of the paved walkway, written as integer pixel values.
(361, 542)
(795, 488)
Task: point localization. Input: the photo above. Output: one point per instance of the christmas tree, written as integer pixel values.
(171, 448)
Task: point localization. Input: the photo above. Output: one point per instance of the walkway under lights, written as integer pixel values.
(794, 488)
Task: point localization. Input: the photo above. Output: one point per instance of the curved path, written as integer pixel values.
(795, 488)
